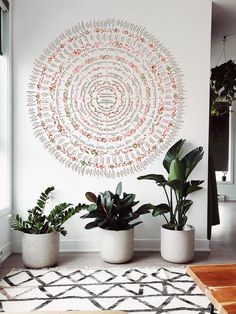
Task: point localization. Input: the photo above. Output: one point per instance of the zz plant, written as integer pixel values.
(176, 186)
(38, 223)
(112, 211)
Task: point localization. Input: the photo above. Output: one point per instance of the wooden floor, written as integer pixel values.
(223, 243)
(223, 249)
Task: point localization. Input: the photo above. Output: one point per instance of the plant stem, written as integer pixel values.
(169, 200)
(167, 196)
(181, 213)
(180, 227)
(165, 218)
(177, 205)
(172, 218)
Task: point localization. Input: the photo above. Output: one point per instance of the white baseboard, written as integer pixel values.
(202, 245)
(226, 198)
(140, 245)
(5, 251)
(155, 245)
(79, 246)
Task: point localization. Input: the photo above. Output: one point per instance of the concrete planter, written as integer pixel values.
(178, 246)
(116, 246)
(40, 250)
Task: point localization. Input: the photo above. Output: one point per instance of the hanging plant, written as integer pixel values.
(222, 86)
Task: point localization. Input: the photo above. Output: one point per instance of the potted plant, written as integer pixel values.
(222, 95)
(114, 215)
(40, 241)
(222, 86)
(177, 238)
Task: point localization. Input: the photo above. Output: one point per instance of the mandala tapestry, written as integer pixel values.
(106, 98)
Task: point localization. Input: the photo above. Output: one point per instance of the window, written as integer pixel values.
(4, 108)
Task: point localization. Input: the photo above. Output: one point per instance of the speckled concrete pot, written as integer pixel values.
(40, 250)
(178, 246)
(116, 246)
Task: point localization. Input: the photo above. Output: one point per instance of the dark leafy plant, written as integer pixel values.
(113, 212)
(222, 86)
(38, 223)
(176, 186)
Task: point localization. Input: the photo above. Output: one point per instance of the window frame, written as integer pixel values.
(6, 109)
(232, 128)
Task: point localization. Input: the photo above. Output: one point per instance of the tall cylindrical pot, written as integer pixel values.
(116, 246)
(40, 250)
(178, 246)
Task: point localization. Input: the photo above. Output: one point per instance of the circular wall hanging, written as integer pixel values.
(106, 98)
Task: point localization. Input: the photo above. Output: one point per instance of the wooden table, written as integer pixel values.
(218, 283)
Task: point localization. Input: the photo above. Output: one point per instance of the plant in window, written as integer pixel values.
(222, 86)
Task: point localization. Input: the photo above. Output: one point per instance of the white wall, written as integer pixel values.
(227, 188)
(176, 24)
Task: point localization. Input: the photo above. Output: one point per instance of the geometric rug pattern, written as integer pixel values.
(141, 290)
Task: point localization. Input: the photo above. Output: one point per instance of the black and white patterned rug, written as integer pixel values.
(134, 290)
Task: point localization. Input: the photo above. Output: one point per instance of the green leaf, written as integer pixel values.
(91, 225)
(160, 209)
(192, 186)
(119, 189)
(63, 232)
(44, 228)
(106, 200)
(134, 224)
(177, 171)
(92, 207)
(196, 182)
(175, 184)
(192, 159)
(80, 206)
(144, 209)
(91, 197)
(193, 189)
(187, 204)
(49, 190)
(123, 216)
(149, 206)
(127, 200)
(172, 154)
(156, 177)
(102, 223)
(41, 203)
(135, 203)
(94, 214)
